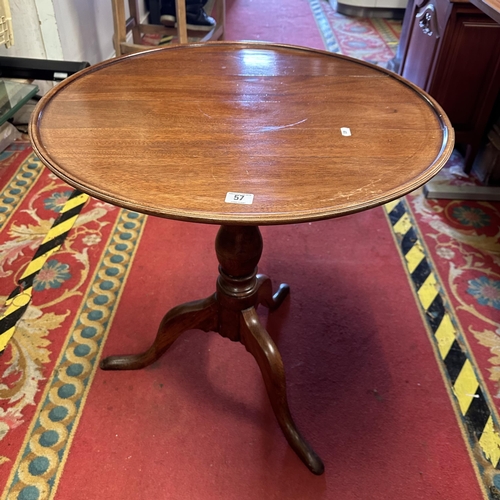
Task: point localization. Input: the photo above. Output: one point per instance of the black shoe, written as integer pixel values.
(196, 17)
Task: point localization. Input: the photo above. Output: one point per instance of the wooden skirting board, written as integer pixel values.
(435, 189)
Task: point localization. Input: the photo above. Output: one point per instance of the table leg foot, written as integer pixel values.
(200, 314)
(265, 293)
(258, 342)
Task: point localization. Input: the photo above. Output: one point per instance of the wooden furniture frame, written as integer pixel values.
(123, 26)
(489, 7)
(302, 134)
(451, 50)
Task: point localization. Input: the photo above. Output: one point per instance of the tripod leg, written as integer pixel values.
(200, 314)
(258, 343)
(265, 293)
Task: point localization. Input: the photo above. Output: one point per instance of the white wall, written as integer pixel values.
(86, 29)
(28, 41)
(73, 30)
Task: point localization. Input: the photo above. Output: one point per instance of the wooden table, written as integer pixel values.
(489, 7)
(241, 135)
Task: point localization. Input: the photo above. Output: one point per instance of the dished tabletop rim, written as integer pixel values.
(235, 214)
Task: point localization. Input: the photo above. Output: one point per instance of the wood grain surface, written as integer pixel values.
(489, 7)
(170, 131)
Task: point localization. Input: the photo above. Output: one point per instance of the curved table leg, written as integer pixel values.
(200, 314)
(265, 292)
(258, 343)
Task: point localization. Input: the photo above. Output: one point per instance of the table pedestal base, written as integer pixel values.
(231, 312)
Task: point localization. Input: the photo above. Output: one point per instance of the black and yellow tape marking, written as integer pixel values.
(471, 400)
(385, 32)
(166, 39)
(19, 299)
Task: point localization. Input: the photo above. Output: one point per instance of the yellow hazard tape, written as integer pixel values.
(22, 296)
(470, 396)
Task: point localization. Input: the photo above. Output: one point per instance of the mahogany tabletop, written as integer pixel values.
(304, 134)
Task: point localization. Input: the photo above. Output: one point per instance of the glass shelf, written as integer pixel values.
(12, 96)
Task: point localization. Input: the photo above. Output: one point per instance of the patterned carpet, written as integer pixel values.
(75, 291)
(460, 248)
(370, 39)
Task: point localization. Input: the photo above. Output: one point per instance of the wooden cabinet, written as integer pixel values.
(451, 49)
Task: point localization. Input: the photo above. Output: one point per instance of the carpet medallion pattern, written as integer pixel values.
(75, 296)
(461, 372)
(370, 39)
(449, 250)
(463, 239)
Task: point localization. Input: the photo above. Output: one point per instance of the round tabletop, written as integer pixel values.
(241, 133)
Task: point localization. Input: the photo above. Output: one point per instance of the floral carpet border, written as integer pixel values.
(15, 191)
(471, 401)
(41, 460)
(324, 27)
(19, 299)
(368, 39)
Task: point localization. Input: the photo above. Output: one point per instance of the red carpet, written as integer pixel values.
(272, 21)
(364, 383)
